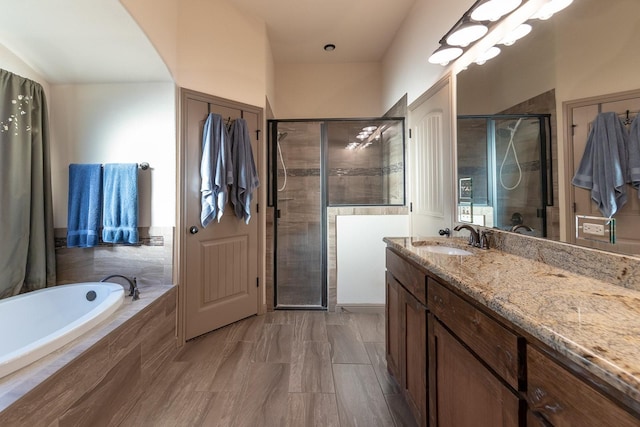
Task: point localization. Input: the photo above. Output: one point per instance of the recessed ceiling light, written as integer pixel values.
(329, 47)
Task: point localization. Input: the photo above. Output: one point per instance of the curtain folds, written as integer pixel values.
(27, 250)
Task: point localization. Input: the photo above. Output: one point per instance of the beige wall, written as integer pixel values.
(328, 90)
(160, 26)
(405, 68)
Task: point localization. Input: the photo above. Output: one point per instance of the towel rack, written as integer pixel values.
(144, 166)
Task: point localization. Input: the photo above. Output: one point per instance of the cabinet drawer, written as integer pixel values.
(563, 400)
(409, 276)
(490, 341)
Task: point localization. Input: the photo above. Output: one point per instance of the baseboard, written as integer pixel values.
(360, 308)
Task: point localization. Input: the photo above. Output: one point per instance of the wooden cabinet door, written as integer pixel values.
(394, 335)
(415, 357)
(466, 393)
(560, 398)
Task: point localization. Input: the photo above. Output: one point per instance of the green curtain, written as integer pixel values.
(27, 250)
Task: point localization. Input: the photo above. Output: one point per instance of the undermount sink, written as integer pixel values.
(446, 250)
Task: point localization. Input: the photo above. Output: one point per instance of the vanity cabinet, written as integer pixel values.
(406, 332)
(558, 397)
(474, 365)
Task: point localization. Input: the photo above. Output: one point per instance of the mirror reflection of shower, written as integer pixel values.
(281, 136)
(507, 157)
(510, 132)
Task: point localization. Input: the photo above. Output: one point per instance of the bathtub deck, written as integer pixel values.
(97, 347)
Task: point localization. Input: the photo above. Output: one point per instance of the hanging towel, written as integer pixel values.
(634, 154)
(215, 169)
(120, 206)
(84, 207)
(604, 165)
(245, 176)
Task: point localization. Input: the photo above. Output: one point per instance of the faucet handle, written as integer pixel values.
(445, 232)
(484, 239)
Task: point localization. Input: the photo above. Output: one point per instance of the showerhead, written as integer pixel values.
(509, 130)
(282, 135)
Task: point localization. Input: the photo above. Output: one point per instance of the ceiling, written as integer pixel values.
(362, 30)
(80, 41)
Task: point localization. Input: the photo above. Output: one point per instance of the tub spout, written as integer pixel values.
(133, 285)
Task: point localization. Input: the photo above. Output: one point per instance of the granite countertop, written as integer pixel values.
(593, 323)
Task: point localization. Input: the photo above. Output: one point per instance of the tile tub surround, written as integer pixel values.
(591, 322)
(96, 378)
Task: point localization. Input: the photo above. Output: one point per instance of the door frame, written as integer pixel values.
(448, 82)
(179, 250)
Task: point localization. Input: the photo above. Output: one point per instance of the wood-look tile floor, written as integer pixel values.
(286, 368)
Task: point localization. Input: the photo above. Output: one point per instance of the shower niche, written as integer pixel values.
(504, 171)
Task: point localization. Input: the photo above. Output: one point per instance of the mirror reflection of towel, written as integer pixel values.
(604, 165)
(120, 207)
(84, 207)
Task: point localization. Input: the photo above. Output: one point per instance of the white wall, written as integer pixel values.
(117, 123)
(361, 256)
(337, 90)
(9, 61)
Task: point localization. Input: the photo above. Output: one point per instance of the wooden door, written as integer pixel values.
(628, 218)
(220, 262)
(431, 161)
(464, 392)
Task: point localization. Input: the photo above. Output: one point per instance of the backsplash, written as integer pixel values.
(619, 270)
(151, 261)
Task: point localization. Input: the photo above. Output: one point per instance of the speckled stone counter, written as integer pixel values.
(592, 322)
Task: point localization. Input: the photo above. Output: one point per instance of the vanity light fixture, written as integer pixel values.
(466, 33)
(490, 53)
(519, 32)
(492, 10)
(445, 54)
(550, 8)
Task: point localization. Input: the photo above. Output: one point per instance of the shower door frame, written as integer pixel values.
(272, 202)
(272, 191)
(546, 158)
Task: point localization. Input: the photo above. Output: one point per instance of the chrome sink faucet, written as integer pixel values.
(133, 285)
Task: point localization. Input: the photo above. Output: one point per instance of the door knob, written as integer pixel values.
(193, 229)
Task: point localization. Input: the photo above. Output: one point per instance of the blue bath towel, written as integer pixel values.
(604, 165)
(245, 175)
(215, 169)
(85, 203)
(120, 207)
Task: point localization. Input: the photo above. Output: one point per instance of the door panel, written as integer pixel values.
(430, 146)
(221, 261)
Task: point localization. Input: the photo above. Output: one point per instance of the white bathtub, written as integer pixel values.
(35, 324)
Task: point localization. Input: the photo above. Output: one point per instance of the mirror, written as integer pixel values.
(585, 50)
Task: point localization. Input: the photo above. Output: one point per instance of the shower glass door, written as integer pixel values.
(297, 196)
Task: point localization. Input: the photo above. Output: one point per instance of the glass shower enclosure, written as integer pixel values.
(504, 171)
(314, 164)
